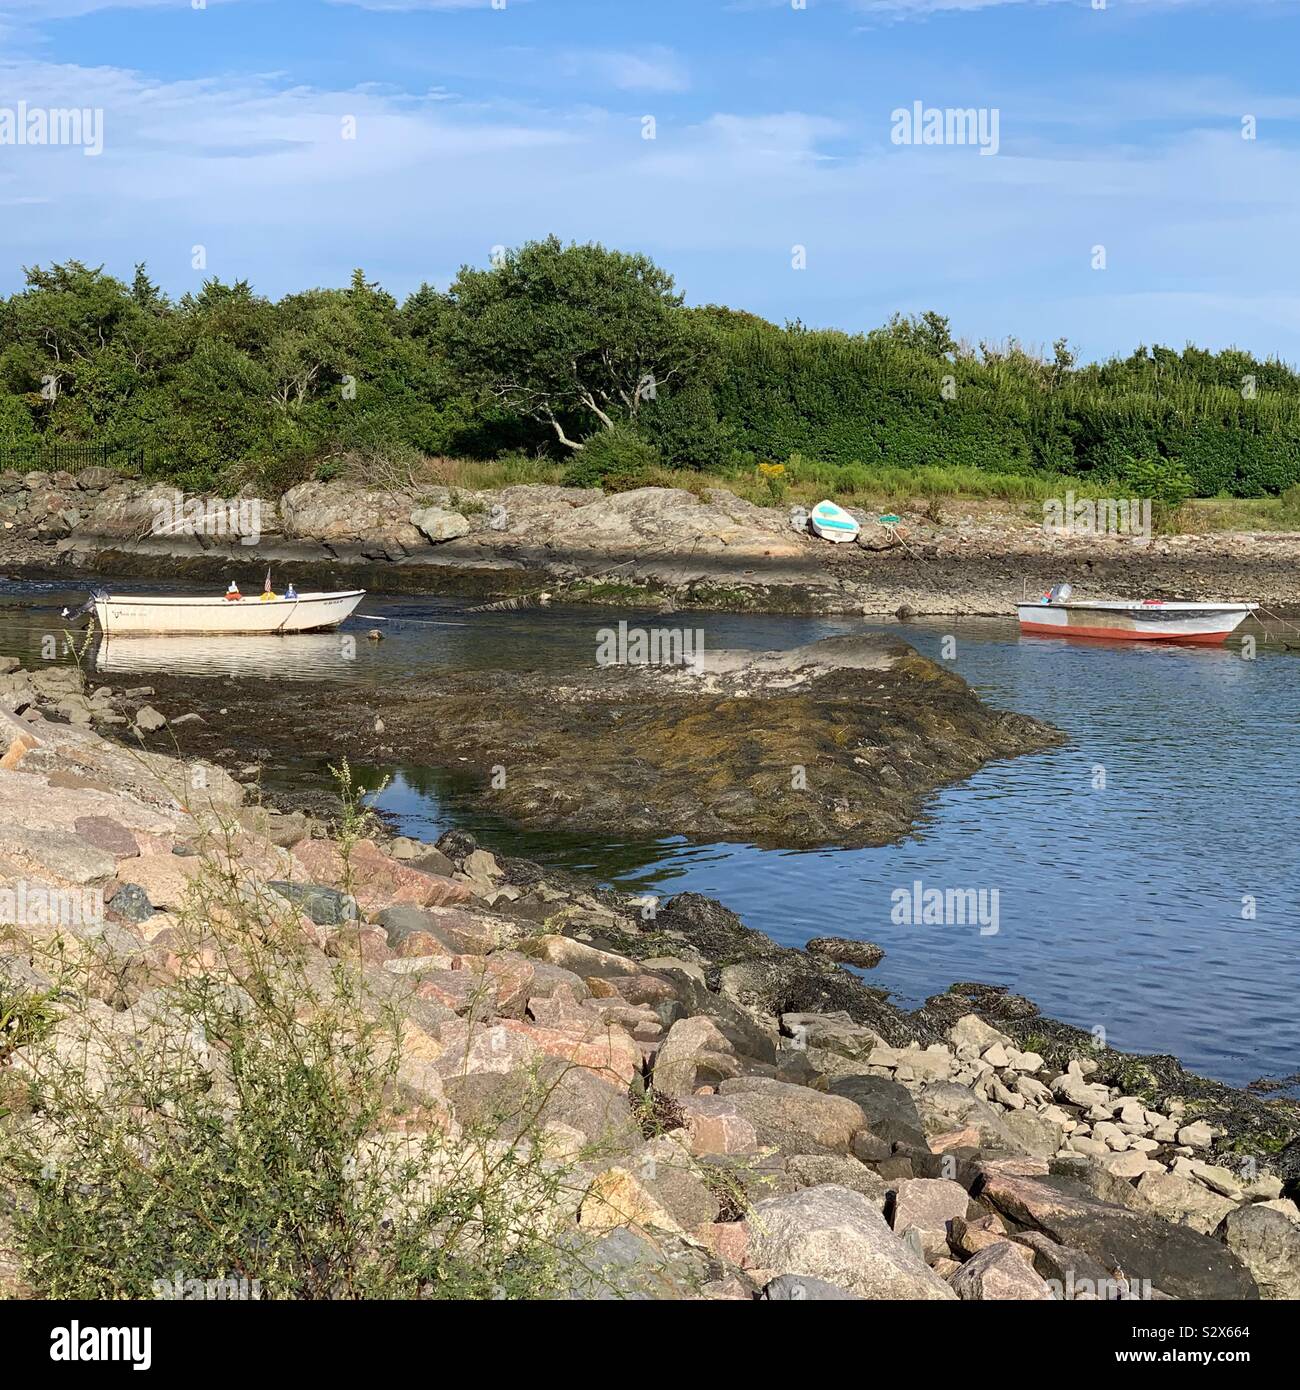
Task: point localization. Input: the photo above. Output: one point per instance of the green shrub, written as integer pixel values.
(1165, 482)
(615, 459)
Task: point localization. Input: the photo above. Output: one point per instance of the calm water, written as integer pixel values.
(1147, 874)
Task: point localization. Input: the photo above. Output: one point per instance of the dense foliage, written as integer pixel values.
(555, 345)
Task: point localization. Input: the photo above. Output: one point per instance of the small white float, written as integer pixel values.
(833, 523)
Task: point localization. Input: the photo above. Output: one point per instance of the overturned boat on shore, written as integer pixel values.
(229, 616)
(1054, 615)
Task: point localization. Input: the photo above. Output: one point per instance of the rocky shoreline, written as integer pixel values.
(736, 1119)
(711, 550)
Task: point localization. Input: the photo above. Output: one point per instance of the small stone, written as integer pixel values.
(1110, 1135)
(148, 720)
(438, 524)
(480, 864)
(971, 1031)
(1265, 1187)
(1217, 1179)
(1130, 1164)
(1196, 1135)
(327, 907)
(132, 902)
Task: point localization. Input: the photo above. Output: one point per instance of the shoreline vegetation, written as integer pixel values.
(587, 361)
(305, 1059)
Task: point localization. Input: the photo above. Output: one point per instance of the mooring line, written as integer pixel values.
(419, 622)
(1277, 618)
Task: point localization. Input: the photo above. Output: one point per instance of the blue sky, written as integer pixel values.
(477, 126)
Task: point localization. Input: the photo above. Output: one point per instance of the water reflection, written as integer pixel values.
(296, 657)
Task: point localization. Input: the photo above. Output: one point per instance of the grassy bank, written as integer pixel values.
(804, 482)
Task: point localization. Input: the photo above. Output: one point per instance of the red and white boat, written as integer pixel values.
(1144, 620)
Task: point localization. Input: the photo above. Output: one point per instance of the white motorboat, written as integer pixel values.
(1151, 620)
(225, 617)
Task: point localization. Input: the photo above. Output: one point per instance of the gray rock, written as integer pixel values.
(1100, 1182)
(837, 1170)
(845, 951)
(796, 1119)
(1268, 1244)
(1175, 1259)
(438, 524)
(834, 1234)
(1073, 1276)
(626, 1266)
(802, 1288)
(890, 1110)
(970, 1031)
(1197, 1135)
(1033, 1134)
(132, 902)
(460, 930)
(148, 720)
(327, 907)
(695, 1053)
(999, 1271)
(835, 1033)
(945, 1106)
(96, 479)
(1181, 1200)
(68, 856)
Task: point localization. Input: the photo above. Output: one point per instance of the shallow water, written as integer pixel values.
(1146, 874)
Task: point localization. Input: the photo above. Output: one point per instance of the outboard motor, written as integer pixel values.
(72, 614)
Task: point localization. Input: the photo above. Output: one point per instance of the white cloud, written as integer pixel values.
(652, 69)
(1200, 227)
(36, 10)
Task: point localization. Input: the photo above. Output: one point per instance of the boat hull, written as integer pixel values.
(1207, 624)
(222, 617)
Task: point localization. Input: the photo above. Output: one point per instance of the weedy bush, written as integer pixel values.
(246, 1120)
(1290, 508)
(616, 460)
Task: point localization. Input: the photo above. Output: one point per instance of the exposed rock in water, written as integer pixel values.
(840, 742)
(864, 954)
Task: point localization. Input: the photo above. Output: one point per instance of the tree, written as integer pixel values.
(572, 336)
(928, 333)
